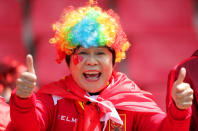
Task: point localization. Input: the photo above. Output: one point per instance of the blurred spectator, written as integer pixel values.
(9, 72)
(191, 65)
(4, 114)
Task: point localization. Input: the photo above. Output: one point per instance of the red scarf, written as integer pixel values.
(121, 93)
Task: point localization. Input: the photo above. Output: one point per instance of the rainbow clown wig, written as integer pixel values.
(89, 26)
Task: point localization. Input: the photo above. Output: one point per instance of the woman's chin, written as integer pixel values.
(93, 90)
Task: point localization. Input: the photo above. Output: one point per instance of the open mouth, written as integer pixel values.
(92, 76)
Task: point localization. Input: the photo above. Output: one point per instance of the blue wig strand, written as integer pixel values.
(86, 33)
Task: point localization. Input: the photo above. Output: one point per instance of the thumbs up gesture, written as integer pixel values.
(182, 93)
(27, 80)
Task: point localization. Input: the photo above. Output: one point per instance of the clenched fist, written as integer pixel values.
(27, 80)
(182, 93)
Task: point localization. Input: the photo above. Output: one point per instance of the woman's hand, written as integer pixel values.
(182, 93)
(27, 80)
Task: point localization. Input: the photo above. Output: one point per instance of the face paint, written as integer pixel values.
(77, 59)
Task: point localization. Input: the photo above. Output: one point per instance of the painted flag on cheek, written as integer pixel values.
(77, 59)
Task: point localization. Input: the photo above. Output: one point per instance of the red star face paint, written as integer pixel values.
(77, 59)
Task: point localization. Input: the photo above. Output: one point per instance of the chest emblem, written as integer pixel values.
(117, 127)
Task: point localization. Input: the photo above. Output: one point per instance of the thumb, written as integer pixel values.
(182, 75)
(29, 62)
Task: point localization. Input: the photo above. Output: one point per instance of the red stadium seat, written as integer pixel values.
(11, 42)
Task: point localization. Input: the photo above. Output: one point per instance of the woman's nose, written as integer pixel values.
(91, 60)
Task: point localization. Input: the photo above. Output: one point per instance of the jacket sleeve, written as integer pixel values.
(32, 114)
(174, 120)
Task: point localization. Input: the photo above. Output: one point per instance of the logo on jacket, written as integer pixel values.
(67, 118)
(117, 127)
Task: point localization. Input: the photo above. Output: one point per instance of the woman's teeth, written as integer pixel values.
(92, 75)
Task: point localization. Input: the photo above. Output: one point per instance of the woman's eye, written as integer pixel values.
(82, 53)
(100, 53)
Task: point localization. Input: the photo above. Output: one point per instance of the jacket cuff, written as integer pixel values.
(24, 102)
(178, 114)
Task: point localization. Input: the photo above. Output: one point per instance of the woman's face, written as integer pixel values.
(91, 68)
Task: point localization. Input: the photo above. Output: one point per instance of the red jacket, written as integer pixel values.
(56, 107)
(191, 65)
